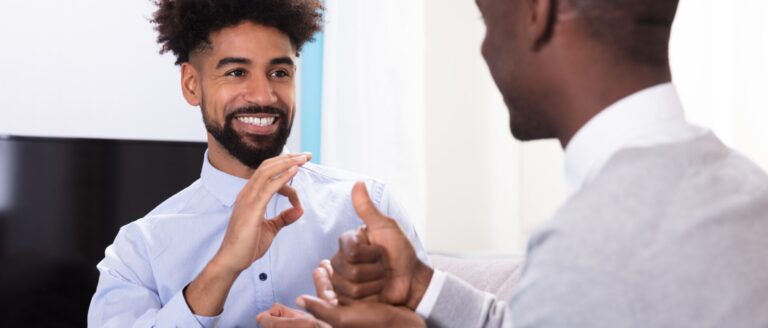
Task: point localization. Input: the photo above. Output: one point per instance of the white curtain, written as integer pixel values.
(719, 55)
(373, 95)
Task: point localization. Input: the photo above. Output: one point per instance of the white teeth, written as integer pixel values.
(266, 121)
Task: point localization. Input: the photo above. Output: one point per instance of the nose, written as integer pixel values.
(260, 92)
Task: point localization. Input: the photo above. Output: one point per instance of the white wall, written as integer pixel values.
(89, 68)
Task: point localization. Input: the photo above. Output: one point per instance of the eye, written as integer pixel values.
(280, 74)
(236, 73)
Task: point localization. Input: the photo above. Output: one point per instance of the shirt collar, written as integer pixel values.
(648, 117)
(225, 187)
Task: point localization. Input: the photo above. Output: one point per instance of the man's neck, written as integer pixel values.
(589, 93)
(223, 161)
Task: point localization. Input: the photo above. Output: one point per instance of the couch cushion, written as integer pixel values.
(498, 276)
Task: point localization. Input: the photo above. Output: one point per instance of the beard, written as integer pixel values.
(251, 150)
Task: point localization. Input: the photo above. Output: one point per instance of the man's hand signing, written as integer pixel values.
(249, 233)
(356, 314)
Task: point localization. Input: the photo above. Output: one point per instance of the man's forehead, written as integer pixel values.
(252, 41)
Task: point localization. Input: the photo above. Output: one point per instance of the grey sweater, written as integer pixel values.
(665, 236)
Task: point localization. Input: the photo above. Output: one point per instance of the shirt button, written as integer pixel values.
(262, 276)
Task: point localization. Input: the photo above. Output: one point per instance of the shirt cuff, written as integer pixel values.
(176, 313)
(207, 322)
(430, 296)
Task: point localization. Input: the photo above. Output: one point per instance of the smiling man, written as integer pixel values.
(245, 237)
(664, 225)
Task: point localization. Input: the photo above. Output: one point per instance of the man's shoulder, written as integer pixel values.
(653, 220)
(190, 203)
(323, 173)
(180, 202)
(701, 166)
(644, 195)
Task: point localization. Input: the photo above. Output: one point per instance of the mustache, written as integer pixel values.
(256, 110)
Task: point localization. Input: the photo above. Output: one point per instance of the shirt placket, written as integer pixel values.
(261, 270)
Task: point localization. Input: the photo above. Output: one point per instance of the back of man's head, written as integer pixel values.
(637, 30)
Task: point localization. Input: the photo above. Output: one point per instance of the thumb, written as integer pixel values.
(320, 309)
(286, 218)
(365, 208)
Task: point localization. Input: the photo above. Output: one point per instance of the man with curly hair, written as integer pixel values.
(208, 255)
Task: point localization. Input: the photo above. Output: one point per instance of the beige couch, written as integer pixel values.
(498, 276)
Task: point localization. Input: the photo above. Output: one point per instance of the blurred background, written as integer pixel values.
(394, 89)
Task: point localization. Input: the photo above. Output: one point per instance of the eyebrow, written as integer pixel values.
(232, 60)
(282, 61)
(245, 61)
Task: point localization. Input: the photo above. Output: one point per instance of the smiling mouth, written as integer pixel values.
(259, 120)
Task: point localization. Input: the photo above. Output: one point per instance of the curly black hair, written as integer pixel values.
(185, 25)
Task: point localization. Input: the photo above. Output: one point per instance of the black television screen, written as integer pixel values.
(62, 202)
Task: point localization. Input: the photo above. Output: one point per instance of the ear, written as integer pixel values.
(541, 21)
(190, 84)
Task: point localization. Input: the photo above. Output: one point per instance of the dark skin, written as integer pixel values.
(554, 78)
(356, 314)
(375, 264)
(279, 315)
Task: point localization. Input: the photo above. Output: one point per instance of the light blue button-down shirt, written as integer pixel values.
(154, 258)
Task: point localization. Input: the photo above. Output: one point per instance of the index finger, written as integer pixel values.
(265, 178)
(323, 284)
(270, 161)
(276, 160)
(320, 309)
(291, 194)
(325, 264)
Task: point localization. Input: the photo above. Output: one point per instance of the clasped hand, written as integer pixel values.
(377, 277)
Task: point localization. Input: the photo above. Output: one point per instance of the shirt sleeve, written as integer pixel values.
(126, 295)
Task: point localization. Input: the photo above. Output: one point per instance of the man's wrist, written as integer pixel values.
(419, 284)
(218, 267)
(206, 294)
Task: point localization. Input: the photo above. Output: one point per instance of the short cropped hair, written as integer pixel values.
(638, 30)
(185, 26)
